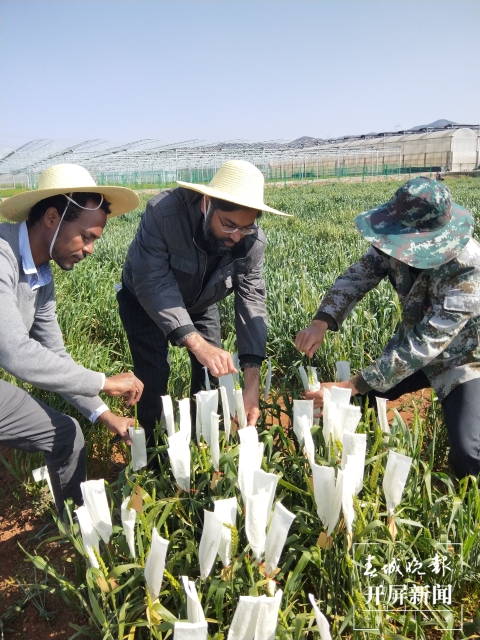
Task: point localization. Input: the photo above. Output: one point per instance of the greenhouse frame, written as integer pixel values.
(149, 163)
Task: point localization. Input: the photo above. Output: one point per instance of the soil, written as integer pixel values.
(25, 520)
(403, 405)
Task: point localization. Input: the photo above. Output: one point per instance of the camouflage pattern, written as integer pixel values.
(420, 225)
(440, 327)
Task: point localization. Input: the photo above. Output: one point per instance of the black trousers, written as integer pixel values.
(461, 411)
(151, 362)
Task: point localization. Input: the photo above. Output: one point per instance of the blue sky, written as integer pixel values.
(124, 70)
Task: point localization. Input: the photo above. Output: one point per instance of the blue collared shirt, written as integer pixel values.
(39, 277)
(36, 278)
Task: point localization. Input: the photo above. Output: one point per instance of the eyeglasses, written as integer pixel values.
(245, 231)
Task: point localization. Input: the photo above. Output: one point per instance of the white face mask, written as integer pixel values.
(69, 199)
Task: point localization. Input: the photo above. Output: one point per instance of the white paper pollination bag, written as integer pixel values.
(395, 478)
(90, 537)
(255, 618)
(179, 455)
(249, 459)
(226, 413)
(338, 411)
(328, 495)
(323, 489)
(196, 628)
(277, 534)
(214, 440)
(209, 542)
(208, 403)
(343, 370)
(190, 631)
(349, 416)
(303, 376)
(185, 418)
(207, 379)
(236, 364)
(348, 491)
(42, 474)
(128, 522)
(138, 448)
(301, 408)
(226, 512)
(240, 408)
(355, 444)
(95, 500)
(258, 508)
(382, 414)
(308, 444)
(322, 622)
(195, 612)
(155, 564)
(227, 383)
(168, 414)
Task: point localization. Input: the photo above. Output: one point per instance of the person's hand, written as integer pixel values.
(117, 424)
(126, 385)
(251, 376)
(310, 339)
(317, 396)
(218, 361)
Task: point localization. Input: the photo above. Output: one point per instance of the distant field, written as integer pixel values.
(304, 255)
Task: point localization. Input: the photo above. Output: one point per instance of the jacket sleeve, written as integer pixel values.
(411, 349)
(349, 288)
(45, 330)
(250, 308)
(153, 280)
(24, 357)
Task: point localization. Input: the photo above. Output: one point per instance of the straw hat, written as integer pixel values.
(67, 178)
(236, 181)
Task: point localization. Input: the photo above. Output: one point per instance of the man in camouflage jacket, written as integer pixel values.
(422, 241)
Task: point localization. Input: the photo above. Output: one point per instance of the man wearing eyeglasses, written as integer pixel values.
(196, 245)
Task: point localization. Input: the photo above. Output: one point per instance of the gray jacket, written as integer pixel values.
(31, 343)
(165, 269)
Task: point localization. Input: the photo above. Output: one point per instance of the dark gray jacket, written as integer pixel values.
(165, 270)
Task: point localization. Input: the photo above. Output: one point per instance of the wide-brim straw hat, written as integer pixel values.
(236, 181)
(421, 225)
(66, 179)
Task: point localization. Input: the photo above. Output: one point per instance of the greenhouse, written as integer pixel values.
(449, 150)
(149, 163)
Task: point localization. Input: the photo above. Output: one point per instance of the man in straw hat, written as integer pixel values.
(59, 221)
(422, 241)
(196, 245)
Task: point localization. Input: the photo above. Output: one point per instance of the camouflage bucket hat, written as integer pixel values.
(420, 225)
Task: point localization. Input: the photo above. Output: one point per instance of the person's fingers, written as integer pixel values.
(299, 340)
(311, 352)
(130, 395)
(215, 371)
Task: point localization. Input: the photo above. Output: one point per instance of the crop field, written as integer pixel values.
(429, 546)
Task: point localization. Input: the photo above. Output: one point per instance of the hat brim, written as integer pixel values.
(420, 249)
(224, 195)
(121, 199)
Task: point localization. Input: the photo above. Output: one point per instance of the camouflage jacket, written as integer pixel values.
(440, 327)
